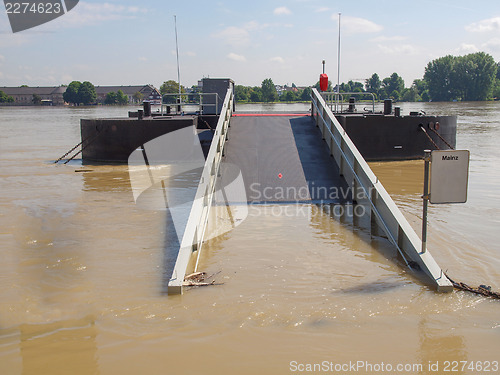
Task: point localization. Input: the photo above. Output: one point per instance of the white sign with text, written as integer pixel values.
(449, 176)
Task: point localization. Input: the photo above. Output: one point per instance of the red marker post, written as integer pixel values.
(323, 79)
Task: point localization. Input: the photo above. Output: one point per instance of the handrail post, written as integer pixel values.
(425, 197)
(192, 239)
(383, 209)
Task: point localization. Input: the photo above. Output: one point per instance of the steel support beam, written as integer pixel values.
(192, 239)
(383, 209)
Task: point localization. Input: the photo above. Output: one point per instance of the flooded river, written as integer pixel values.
(83, 272)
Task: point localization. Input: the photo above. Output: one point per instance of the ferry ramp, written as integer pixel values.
(294, 158)
(283, 158)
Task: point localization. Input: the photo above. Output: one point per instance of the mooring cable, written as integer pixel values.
(83, 148)
(89, 142)
(444, 140)
(69, 152)
(482, 290)
(428, 136)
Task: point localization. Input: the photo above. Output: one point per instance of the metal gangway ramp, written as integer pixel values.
(298, 158)
(283, 159)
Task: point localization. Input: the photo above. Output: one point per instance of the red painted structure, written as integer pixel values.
(323, 82)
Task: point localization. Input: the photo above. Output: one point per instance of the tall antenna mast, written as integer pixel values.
(177, 49)
(338, 61)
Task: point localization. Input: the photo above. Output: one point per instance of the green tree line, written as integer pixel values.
(267, 92)
(4, 98)
(84, 93)
(473, 77)
(171, 87)
(80, 93)
(116, 98)
(463, 78)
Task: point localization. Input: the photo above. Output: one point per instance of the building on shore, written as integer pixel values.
(47, 95)
(135, 94)
(54, 95)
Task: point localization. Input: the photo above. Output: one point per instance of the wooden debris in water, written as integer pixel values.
(481, 290)
(200, 279)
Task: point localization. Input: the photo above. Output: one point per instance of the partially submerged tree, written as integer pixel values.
(86, 93)
(71, 93)
(269, 93)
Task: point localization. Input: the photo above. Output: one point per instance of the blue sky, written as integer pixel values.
(131, 42)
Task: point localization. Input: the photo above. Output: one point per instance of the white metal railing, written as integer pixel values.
(336, 100)
(179, 104)
(383, 210)
(192, 239)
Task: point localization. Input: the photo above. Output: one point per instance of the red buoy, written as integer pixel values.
(323, 82)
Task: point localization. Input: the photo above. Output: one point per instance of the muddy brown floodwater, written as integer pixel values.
(83, 273)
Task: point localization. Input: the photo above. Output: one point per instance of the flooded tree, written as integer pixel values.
(373, 84)
(171, 87)
(86, 93)
(71, 93)
(269, 93)
(469, 78)
(4, 98)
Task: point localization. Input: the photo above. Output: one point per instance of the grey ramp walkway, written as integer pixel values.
(283, 159)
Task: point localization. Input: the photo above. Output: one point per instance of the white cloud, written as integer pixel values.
(92, 13)
(282, 11)
(239, 36)
(394, 45)
(356, 25)
(490, 24)
(82, 67)
(234, 36)
(2, 58)
(107, 10)
(14, 40)
(235, 57)
(67, 78)
(382, 39)
(133, 9)
(467, 48)
(142, 58)
(86, 13)
(278, 59)
(254, 25)
(173, 52)
(323, 9)
(492, 45)
(398, 49)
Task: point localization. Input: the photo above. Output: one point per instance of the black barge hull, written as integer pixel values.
(113, 140)
(377, 136)
(389, 137)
